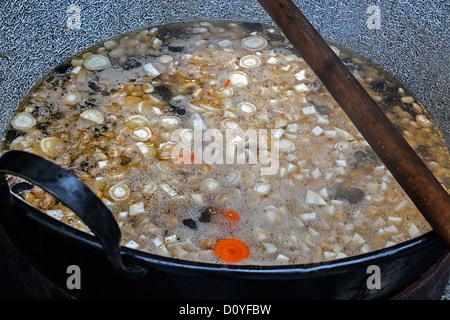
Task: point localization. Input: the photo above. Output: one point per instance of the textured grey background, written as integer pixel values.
(413, 42)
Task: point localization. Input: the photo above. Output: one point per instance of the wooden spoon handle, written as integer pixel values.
(412, 174)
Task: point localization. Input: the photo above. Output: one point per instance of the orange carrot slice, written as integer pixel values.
(231, 250)
(230, 214)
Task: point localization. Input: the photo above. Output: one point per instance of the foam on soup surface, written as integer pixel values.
(114, 114)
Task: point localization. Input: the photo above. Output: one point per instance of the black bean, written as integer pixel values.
(190, 223)
(379, 85)
(176, 48)
(410, 109)
(101, 129)
(318, 87)
(323, 110)
(131, 63)
(358, 66)
(35, 111)
(253, 26)
(360, 156)
(88, 104)
(347, 60)
(178, 110)
(352, 195)
(21, 187)
(165, 34)
(40, 111)
(85, 166)
(163, 92)
(367, 156)
(423, 151)
(355, 195)
(63, 68)
(178, 33)
(56, 115)
(94, 86)
(125, 160)
(205, 216)
(44, 127)
(11, 135)
(275, 37)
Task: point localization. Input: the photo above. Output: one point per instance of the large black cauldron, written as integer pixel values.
(110, 271)
(410, 44)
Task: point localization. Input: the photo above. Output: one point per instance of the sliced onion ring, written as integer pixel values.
(23, 121)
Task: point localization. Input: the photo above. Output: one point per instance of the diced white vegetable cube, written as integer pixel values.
(317, 131)
(308, 216)
(391, 229)
(314, 198)
(269, 247)
(137, 208)
(57, 214)
(132, 244)
(301, 75)
(413, 230)
(150, 70)
(309, 110)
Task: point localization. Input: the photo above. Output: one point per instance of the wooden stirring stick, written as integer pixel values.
(412, 174)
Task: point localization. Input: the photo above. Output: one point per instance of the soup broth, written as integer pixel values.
(116, 114)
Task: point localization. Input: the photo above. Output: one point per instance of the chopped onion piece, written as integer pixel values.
(137, 208)
(146, 150)
(211, 185)
(52, 146)
(286, 145)
(198, 199)
(344, 134)
(308, 216)
(328, 255)
(314, 198)
(165, 59)
(269, 247)
(136, 121)
(271, 214)
(309, 110)
(150, 70)
(93, 115)
(281, 258)
(57, 214)
(96, 62)
(233, 176)
(141, 133)
(391, 229)
(149, 188)
(413, 230)
(300, 76)
(238, 79)
(247, 108)
(170, 122)
(132, 244)
(262, 188)
(358, 239)
(71, 98)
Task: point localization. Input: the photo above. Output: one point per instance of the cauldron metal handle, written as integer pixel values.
(68, 189)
